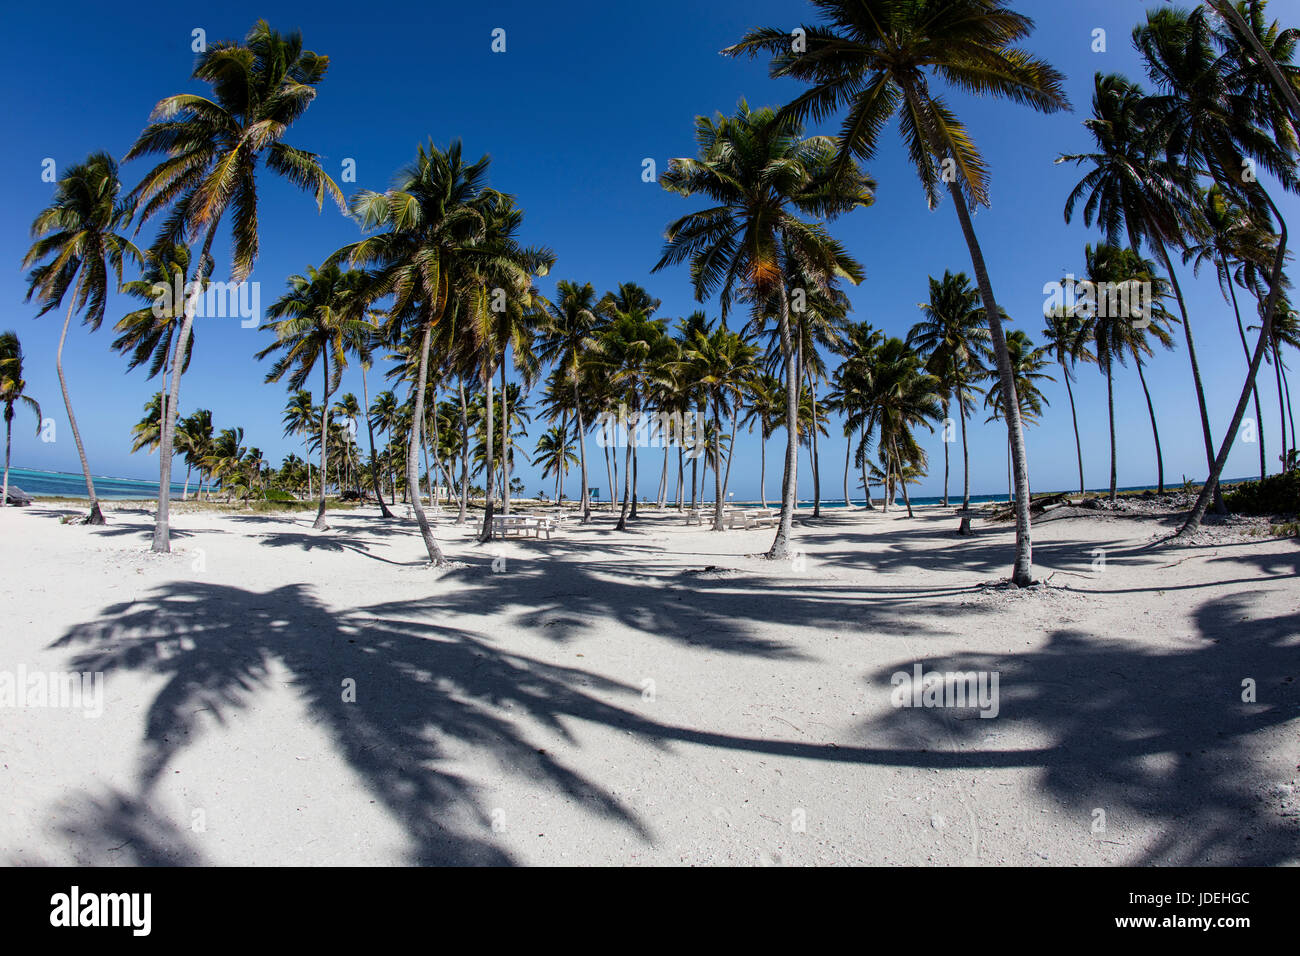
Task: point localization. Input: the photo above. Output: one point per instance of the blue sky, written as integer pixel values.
(584, 92)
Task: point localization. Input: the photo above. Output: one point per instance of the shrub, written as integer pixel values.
(1275, 495)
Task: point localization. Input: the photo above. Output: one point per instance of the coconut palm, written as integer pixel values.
(954, 338)
(77, 247)
(763, 405)
(1067, 341)
(13, 389)
(224, 460)
(319, 320)
(850, 391)
(760, 176)
(871, 58)
(554, 453)
(384, 415)
(194, 442)
(300, 417)
(721, 362)
(631, 357)
(213, 147)
(565, 336)
(371, 340)
(1027, 364)
(147, 432)
(899, 396)
(1236, 246)
(149, 333)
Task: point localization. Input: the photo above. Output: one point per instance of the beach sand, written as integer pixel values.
(656, 697)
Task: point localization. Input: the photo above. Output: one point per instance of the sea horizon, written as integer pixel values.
(63, 484)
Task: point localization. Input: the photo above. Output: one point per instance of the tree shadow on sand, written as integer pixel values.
(417, 683)
(1159, 736)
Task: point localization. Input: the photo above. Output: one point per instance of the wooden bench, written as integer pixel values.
(522, 526)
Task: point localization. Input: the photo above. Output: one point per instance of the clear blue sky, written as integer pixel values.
(584, 92)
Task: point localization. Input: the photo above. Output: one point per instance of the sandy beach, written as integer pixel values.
(277, 695)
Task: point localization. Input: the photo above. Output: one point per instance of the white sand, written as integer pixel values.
(508, 716)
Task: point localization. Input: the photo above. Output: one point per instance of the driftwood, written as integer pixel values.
(1036, 506)
(19, 497)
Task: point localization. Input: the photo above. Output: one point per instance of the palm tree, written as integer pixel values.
(147, 432)
(76, 245)
(871, 59)
(300, 417)
(565, 336)
(1067, 341)
(1027, 364)
(225, 458)
(348, 410)
(194, 441)
(318, 320)
(213, 147)
(149, 333)
(1234, 244)
(760, 176)
(900, 395)
(384, 415)
(953, 336)
(631, 355)
(372, 339)
(13, 389)
(850, 393)
(554, 453)
(430, 221)
(721, 362)
(764, 406)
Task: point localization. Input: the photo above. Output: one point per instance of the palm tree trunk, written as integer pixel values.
(965, 454)
(681, 475)
(1290, 412)
(1245, 350)
(9, 434)
(663, 478)
(780, 549)
(306, 448)
(374, 461)
(731, 451)
(627, 481)
(1078, 448)
(464, 452)
(95, 516)
(1110, 406)
(1022, 571)
(582, 453)
(866, 480)
(848, 451)
(816, 457)
(902, 480)
(1281, 401)
(319, 524)
(162, 528)
(1196, 371)
(490, 470)
(413, 453)
(946, 419)
(1151, 410)
(1193, 522)
(762, 466)
(636, 463)
(505, 437)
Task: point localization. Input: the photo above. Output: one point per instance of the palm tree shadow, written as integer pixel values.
(416, 685)
(1141, 734)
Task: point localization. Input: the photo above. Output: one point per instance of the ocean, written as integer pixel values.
(73, 485)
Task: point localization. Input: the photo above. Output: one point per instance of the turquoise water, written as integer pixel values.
(66, 485)
(69, 485)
